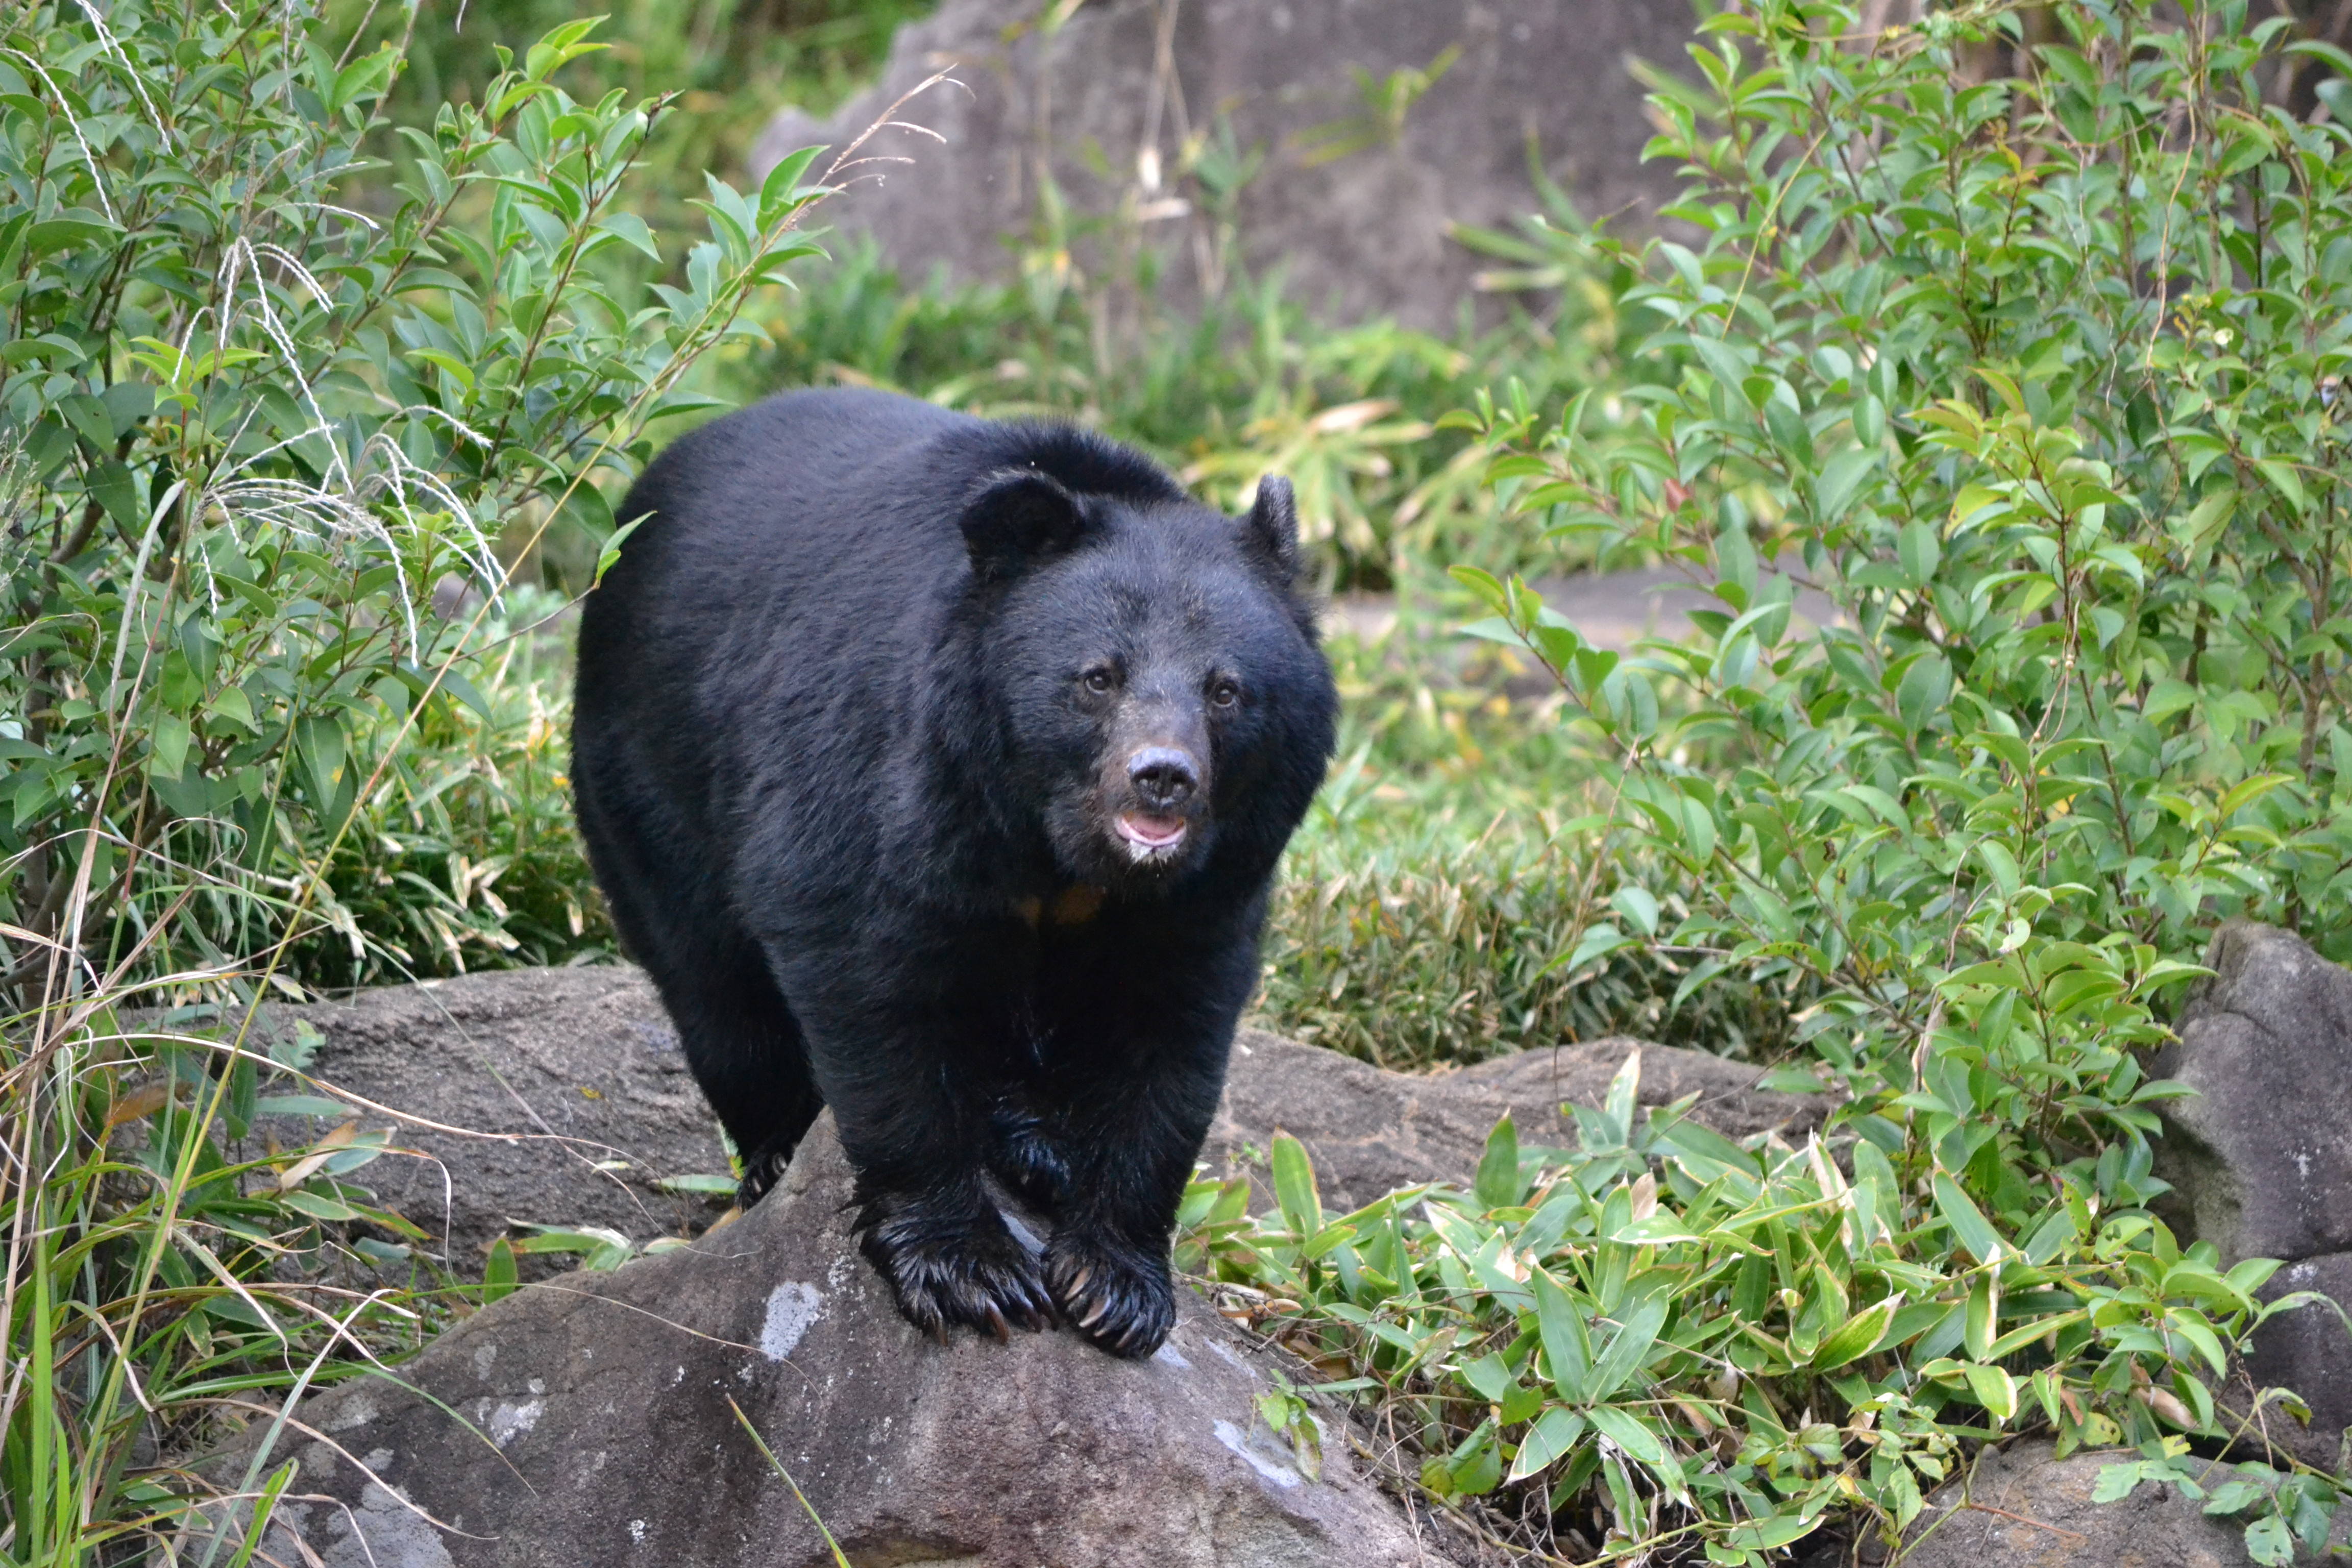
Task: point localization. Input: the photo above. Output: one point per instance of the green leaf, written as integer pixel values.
(1994, 1389)
(364, 78)
(2269, 1543)
(257, 1525)
(465, 691)
(1617, 1107)
(1497, 1185)
(2235, 1497)
(777, 191)
(1971, 1229)
(713, 1184)
(318, 1206)
(1920, 552)
(1982, 1316)
(499, 1276)
(1639, 907)
(2166, 698)
(1630, 1346)
(2117, 1482)
(2192, 1326)
(2284, 478)
(1553, 1434)
(1597, 942)
(1856, 1337)
(78, 227)
(1773, 1533)
(1735, 564)
(1625, 1429)
(1485, 584)
(1566, 1349)
(300, 1105)
(171, 739)
(633, 231)
(1840, 479)
(1293, 1187)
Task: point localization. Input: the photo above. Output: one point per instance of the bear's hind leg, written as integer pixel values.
(747, 1053)
(1027, 1156)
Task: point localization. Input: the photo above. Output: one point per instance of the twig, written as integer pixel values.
(2075, 1536)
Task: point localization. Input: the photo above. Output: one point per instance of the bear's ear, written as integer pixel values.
(1270, 531)
(1017, 518)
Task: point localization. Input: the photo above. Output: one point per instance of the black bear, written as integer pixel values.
(935, 769)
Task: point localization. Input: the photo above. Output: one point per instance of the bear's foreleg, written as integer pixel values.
(926, 1219)
(1132, 1136)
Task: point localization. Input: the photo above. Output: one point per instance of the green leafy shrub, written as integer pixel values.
(246, 429)
(2035, 377)
(1656, 1329)
(718, 69)
(466, 856)
(1412, 966)
(250, 429)
(1237, 384)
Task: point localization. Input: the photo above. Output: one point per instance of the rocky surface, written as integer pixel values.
(2309, 1350)
(549, 1096)
(594, 1420)
(2024, 1507)
(2261, 1159)
(1117, 90)
(560, 1097)
(2262, 1154)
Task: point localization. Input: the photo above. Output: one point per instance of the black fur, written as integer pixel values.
(885, 718)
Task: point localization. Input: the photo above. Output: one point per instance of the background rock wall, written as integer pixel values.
(1121, 82)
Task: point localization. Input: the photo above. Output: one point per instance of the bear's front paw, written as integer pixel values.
(965, 1270)
(1117, 1296)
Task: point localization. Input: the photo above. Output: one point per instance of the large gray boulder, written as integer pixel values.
(594, 1420)
(2260, 1156)
(2261, 1159)
(560, 1097)
(2308, 1348)
(1540, 81)
(2021, 1507)
(528, 1096)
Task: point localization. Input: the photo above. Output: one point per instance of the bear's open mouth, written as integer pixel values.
(1148, 836)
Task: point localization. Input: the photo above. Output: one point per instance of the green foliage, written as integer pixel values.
(465, 856)
(1430, 909)
(171, 1269)
(1657, 1328)
(246, 429)
(2036, 381)
(1237, 384)
(720, 68)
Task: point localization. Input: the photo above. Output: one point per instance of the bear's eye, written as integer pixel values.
(1099, 679)
(1224, 691)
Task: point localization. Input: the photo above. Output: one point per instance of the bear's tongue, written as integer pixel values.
(1148, 832)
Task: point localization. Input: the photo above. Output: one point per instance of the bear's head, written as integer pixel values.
(1156, 673)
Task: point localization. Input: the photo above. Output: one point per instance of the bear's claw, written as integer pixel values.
(762, 1169)
(1121, 1299)
(944, 1276)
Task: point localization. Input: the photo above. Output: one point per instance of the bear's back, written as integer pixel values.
(855, 490)
(796, 583)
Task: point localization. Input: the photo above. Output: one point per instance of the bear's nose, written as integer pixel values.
(1164, 777)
